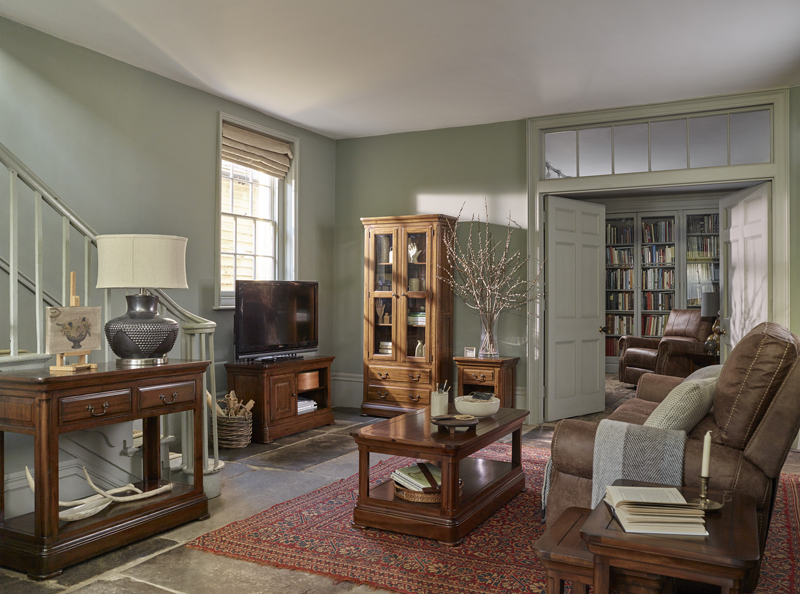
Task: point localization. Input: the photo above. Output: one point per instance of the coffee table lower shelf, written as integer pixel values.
(487, 485)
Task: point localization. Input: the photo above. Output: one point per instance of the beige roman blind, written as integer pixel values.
(257, 151)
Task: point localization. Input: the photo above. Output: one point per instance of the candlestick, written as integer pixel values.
(703, 501)
(704, 470)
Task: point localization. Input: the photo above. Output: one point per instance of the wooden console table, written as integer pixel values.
(497, 375)
(275, 387)
(46, 405)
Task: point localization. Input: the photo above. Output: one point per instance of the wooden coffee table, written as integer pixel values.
(486, 486)
(725, 557)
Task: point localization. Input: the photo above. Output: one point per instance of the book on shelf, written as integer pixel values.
(411, 477)
(655, 510)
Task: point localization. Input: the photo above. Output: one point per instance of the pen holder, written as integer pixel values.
(703, 501)
(439, 402)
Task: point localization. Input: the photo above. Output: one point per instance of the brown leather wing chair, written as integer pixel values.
(684, 338)
(754, 421)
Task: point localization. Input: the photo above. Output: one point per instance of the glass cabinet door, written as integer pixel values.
(383, 281)
(416, 278)
(702, 256)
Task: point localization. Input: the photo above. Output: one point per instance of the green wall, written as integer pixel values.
(134, 152)
(425, 172)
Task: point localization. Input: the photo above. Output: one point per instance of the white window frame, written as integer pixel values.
(286, 217)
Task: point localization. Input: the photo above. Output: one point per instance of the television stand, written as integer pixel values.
(276, 386)
(274, 358)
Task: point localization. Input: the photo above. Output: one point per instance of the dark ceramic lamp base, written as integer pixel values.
(141, 337)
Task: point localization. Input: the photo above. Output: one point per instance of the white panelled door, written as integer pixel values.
(745, 291)
(574, 310)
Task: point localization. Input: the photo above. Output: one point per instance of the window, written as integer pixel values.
(257, 194)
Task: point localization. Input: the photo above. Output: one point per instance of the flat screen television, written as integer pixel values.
(275, 318)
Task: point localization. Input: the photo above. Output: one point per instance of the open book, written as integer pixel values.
(655, 510)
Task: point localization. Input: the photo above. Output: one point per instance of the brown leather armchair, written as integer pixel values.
(682, 344)
(754, 421)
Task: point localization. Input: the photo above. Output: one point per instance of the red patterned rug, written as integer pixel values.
(312, 533)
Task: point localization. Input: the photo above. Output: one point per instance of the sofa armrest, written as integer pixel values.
(573, 447)
(637, 342)
(654, 388)
(681, 346)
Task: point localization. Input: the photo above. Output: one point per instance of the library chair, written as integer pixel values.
(677, 353)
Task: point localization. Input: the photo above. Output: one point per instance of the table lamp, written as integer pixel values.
(141, 337)
(709, 309)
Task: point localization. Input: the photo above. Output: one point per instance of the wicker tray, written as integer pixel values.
(234, 432)
(419, 496)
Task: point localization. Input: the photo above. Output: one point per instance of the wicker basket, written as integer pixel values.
(234, 432)
(419, 496)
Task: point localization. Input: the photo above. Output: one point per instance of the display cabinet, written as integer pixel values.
(408, 312)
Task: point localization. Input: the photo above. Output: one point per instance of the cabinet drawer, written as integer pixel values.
(477, 375)
(409, 375)
(165, 395)
(85, 407)
(397, 395)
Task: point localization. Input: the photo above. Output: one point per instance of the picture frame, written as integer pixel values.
(469, 352)
(72, 329)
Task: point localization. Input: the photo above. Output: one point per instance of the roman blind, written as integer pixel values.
(257, 151)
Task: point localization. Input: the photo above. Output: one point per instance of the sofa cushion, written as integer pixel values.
(685, 406)
(750, 378)
(705, 373)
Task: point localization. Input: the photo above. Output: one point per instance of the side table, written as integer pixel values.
(725, 557)
(497, 375)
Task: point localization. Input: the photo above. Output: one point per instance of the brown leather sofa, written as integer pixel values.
(684, 337)
(754, 421)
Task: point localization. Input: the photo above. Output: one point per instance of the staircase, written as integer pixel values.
(197, 333)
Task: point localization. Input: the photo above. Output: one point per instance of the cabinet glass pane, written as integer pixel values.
(702, 256)
(708, 141)
(416, 322)
(668, 145)
(383, 316)
(417, 262)
(630, 148)
(594, 151)
(560, 154)
(750, 137)
(384, 258)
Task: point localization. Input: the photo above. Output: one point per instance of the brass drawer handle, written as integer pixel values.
(383, 395)
(164, 398)
(90, 408)
(383, 376)
(415, 399)
(482, 377)
(415, 380)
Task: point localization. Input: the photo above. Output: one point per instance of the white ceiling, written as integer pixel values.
(349, 68)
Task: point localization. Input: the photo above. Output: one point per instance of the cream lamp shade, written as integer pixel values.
(131, 261)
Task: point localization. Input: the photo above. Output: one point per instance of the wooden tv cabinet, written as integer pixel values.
(275, 387)
(46, 405)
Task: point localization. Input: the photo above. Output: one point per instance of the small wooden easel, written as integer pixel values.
(74, 301)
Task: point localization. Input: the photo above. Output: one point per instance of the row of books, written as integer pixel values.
(619, 301)
(620, 325)
(654, 325)
(621, 279)
(654, 254)
(658, 301)
(658, 231)
(616, 256)
(416, 318)
(702, 223)
(702, 247)
(658, 278)
(411, 477)
(612, 347)
(619, 234)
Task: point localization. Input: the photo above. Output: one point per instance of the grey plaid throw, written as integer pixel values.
(634, 452)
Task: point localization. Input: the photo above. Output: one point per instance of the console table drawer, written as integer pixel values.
(402, 375)
(86, 407)
(168, 394)
(477, 375)
(399, 395)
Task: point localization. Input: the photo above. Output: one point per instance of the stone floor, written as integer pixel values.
(254, 478)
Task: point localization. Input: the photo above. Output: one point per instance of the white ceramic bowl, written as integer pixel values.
(477, 408)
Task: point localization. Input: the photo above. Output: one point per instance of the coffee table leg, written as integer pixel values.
(516, 447)
(601, 575)
(363, 473)
(449, 487)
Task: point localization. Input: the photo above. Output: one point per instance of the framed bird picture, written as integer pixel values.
(72, 329)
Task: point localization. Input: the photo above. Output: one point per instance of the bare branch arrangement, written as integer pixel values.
(487, 277)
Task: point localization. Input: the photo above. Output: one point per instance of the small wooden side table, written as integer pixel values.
(726, 557)
(497, 375)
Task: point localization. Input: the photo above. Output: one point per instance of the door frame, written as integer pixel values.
(776, 172)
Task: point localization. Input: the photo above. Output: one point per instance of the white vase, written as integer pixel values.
(420, 350)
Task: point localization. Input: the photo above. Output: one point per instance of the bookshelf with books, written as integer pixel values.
(620, 280)
(658, 272)
(702, 256)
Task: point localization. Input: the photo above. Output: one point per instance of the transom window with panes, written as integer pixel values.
(248, 246)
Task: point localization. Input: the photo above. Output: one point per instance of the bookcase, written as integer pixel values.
(656, 261)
